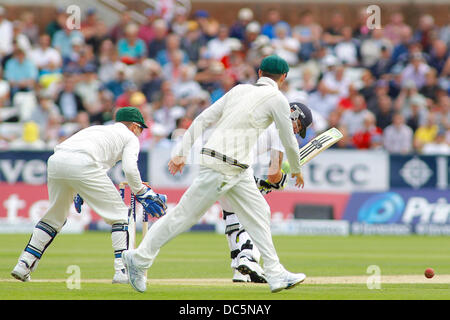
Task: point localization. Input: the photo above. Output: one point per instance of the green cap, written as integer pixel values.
(274, 64)
(130, 114)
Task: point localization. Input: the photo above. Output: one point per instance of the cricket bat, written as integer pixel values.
(319, 144)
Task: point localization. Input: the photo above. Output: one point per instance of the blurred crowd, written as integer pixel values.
(383, 88)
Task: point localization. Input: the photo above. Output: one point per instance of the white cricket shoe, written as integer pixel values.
(136, 275)
(253, 269)
(287, 280)
(21, 271)
(239, 277)
(120, 276)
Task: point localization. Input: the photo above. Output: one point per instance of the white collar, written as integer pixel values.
(268, 81)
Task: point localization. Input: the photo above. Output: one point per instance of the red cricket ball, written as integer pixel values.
(429, 273)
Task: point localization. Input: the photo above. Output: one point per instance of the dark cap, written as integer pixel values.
(274, 64)
(301, 112)
(130, 114)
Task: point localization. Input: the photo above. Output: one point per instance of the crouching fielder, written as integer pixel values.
(244, 254)
(80, 165)
(242, 113)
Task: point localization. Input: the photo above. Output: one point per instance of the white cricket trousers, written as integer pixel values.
(210, 185)
(71, 173)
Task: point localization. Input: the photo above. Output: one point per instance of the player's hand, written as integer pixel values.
(176, 164)
(298, 179)
(152, 202)
(281, 183)
(263, 186)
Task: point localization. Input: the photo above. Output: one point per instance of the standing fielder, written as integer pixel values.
(244, 254)
(240, 117)
(80, 165)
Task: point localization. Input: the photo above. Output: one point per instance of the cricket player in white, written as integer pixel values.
(240, 116)
(244, 254)
(80, 165)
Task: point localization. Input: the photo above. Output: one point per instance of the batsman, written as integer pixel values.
(240, 116)
(79, 165)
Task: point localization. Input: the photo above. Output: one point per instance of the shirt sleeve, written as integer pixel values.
(207, 118)
(129, 165)
(280, 113)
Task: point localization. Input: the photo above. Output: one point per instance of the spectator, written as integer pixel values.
(252, 31)
(322, 101)
(159, 40)
(362, 31)
(106, 110)
(6, 34)
(19, 37)
(45, 109)
(285, 46)
(124, 99)
(167, 113)
(444, 33)
(370, 137)
(146, 29)
(118, 84)
(57, 23)
(118, 30)
(88, 88)
(430, 87)
(187, 87)
(408, 97)
(371, 48)
(416, 70)
(64, 39)
(20, 72)
(194, 42)
(208, 26)
(29, 27)
(44, 57)
(219, 46)
(308, 33)
(152, 84)
(179, 23)
(30, 139)
(393, 30)
(384, 63)
(426, 32)
(439, 56)
(268, 28)
(398, 137)
(426, 133)
(172, 69)
(401, 47)
(336, 81)
(333, 34)
(439, 146)
(107, 59)
(172, 45)
(130, 48)
(238, 29)
(353, 119)
(68, 101)
(347, 49)
(368, 87)
(384, 112)
(4, 92)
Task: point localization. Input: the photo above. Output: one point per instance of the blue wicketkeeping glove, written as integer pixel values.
(153, 203)
(78, 202)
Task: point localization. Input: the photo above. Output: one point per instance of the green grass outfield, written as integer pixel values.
(196, 266)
